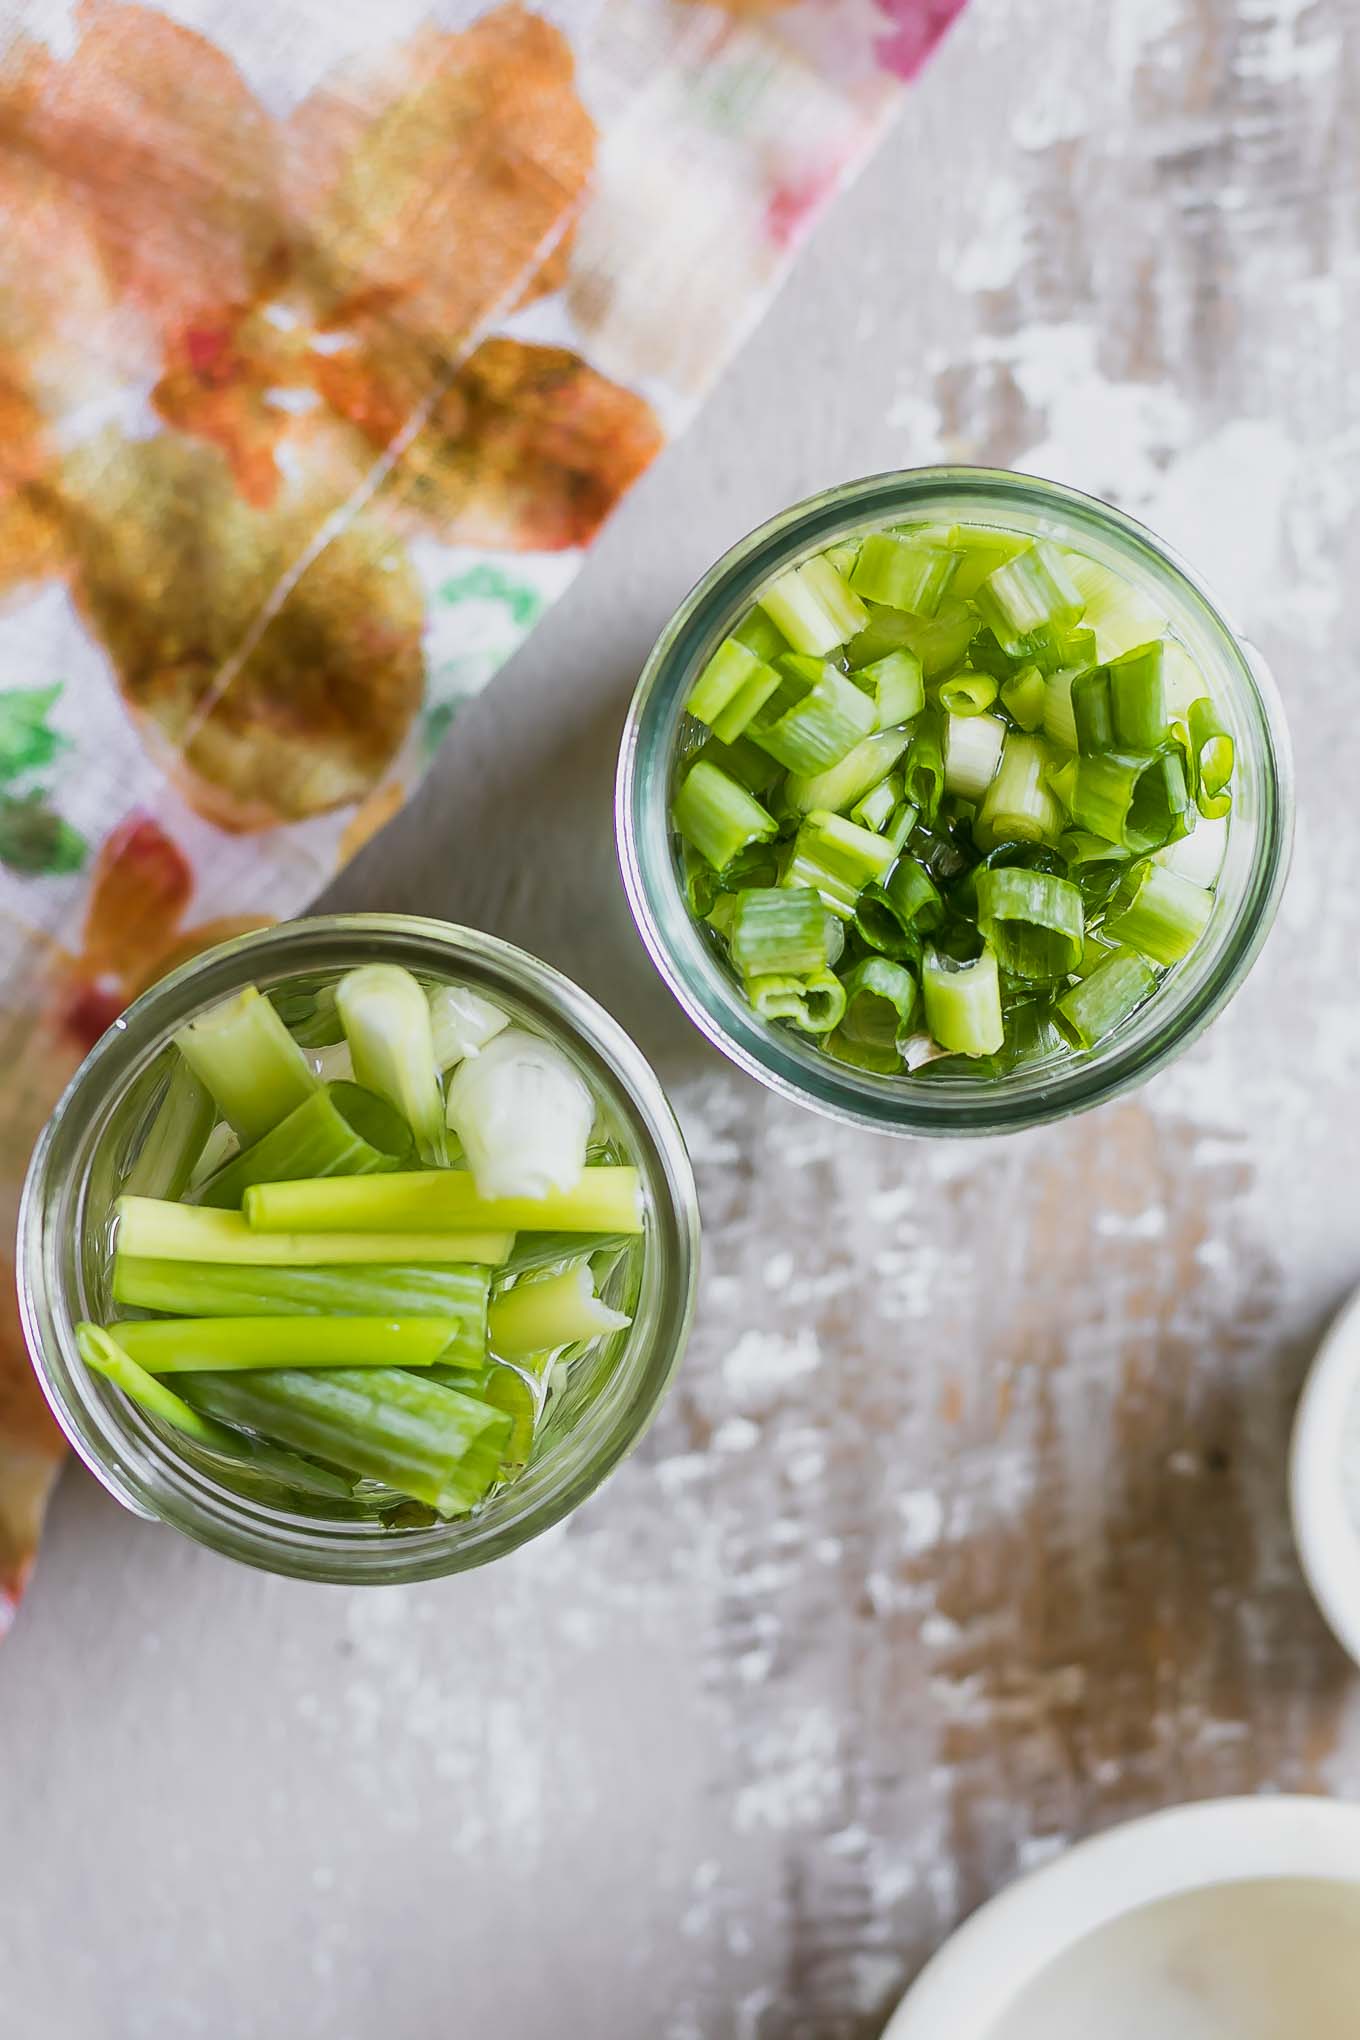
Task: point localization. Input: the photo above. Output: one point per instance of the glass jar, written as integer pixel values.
(81, 1160)
(1249, 886)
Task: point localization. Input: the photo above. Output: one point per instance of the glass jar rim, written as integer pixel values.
(956, 1106)
(126, 1454)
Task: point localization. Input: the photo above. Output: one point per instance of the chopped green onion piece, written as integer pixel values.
(842, 557)
(342, 1130)
(1060, 722)
(820, 729)
(972, 752)
(1024, 695)
(814, 1003)
(1093, 712)
(1158, 913)
(1138, 699)
(387, 1024)
(1034, 921)
(1057, 649)
(880, 1000)
(747, 704)
(177, 1136)
(606, 1199)
(923, 777)
(151, 1230)
(842, 784)
(549, 1311)
(310, 1017)
(1134, 801)
(1095, 1007)
(719, 817)
(107, 1357)
(968, 693)
(249, 1061)
(813, 607)
(903, 574)
(838, 859)
(726, 673)
(516, 1397)
(1112, 607)
(980, 552)
(1024, 593)
(897, 686)
(1198, 856)
(893, 917)
(963, 1003)
(779, 932)
(462, 1022)
(188, 1345)
(1212, 750)
(906, 816)
(1018, 805)
(761, 636)
(879, 804)
(523, 1114)
(939, 642)
(703, 884)
(424, 1439)
(741, 760)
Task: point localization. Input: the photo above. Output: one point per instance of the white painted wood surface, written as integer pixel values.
(964, 1530)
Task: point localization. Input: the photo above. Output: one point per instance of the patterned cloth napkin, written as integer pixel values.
(329, 336)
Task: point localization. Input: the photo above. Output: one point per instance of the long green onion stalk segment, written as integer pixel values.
(387, 1023)
(341, 1130)
(177, 1136)
(542, 1313)
(149, 1229)
(188, 1345)
(245, 1056)
(607, 1199)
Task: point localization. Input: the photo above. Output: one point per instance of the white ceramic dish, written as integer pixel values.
(1325, 1528)
(972, 1988)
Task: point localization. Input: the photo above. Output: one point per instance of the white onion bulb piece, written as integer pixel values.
(523, 1115)
(463, 1023)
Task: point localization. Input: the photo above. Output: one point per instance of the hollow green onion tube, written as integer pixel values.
(1034, 922)
(814, 1004)
(939, 642)
(968, 693)
(760, 635)
(507, 1390)
(176, 1137)
(100, 1351)
(342, 1130)
(979, 553)
(813, 608)
(152, 1230)
(741, 760)
(1212, 750)
(310, 1017)
(605, 1200)
(896, 685)
(726, 673)
(972, 752)
(837, 859)
(1019, 805)
(743, 711)
(426, 1440)
(963, 1003)
(1059, 718)
(1138, 699)
(1026, 592)
(880, 1002)
(1093, 712)
(923, 767)
(893, 917)
(779, 932)
(1023, 696)
(462, 1022)
(458, 1294)
(903, 574)
(1090, 1010)
(249, 1062)
(1158, 913)
(554, 1310)
(387, 1024)
(719, 817)
(188, 1345)
(875, 809)
(1134, 801)
(846, 782)
(819, 730)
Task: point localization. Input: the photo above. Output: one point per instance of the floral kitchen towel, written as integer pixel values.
(329, 335)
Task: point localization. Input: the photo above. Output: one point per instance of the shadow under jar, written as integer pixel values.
(600, 1403)
(954, 1094)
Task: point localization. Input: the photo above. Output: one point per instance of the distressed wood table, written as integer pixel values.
(964, 1531)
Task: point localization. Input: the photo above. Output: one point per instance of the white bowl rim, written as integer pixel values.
(980, 1971)
(1325, 1530)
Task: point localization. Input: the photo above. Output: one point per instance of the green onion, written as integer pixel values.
(523, 1114)
(906, 816)
(837, 859)
(1158, 913)
(1093, 712)
(980, 553)
(107, 1357)
(188, 1345)
(1024, 695)
(1112, 607)
(963, 1003)
(420, 1437)
(339, 1131)
(779, 932)
(154, 1231)
(972, 752)
(896, 685)
(747, 704)
(1134, 801)
(761, 636)
(968, 693)
(1106, 996)
(1212, 750)
(539, 1315)
(923, 767)
(462, 1022)
(1138, 699)
(719, 817)
(310, 1017)
(1059, 719)
(894, 916)
(741, 760)
(1018, 805)
(841, 785)
(605, 1200)
(176, 1137)
(814, 608)
(1024, 593)
(248, 1060)
(903, 574)
(820, 729)
(939, 642)
(814, 1003)
(726, 673)
(876, 810)
(1033, 921)
(387, 1024)
(880, 1000)
(507, 1390)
